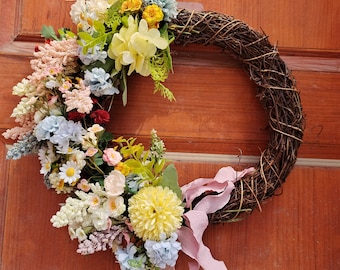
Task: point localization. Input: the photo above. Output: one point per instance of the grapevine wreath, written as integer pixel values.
(122, 196)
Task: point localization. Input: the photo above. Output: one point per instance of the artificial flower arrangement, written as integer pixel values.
(121, 196)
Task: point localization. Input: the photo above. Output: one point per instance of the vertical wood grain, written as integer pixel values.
(3, 194)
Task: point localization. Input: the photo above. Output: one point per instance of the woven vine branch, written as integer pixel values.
(275, 88)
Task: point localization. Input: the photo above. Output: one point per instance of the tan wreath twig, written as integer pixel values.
(275, 88)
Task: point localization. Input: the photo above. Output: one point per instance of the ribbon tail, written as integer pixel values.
(192, 243)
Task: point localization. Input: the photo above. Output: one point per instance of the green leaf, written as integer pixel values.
(86, 37)
(48, 32)
(99, 27)
(159, 165)
(107, 136)
(132, 163)
(98, 159)
(88, 41)
(124, 87)
(164, 91)
(170, 180)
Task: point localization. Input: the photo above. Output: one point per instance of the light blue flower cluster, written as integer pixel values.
(67, 132)
(28, 145)
(163, 253)
(92, 56)
(45, 129)
(99, 82)
(128, 260)
(169, 7)
(59, 131)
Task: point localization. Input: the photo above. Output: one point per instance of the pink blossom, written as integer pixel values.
(84, 185)
(65, 86)
(111, 157)
(91, 151)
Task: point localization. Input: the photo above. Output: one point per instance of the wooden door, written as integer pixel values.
(216, 114)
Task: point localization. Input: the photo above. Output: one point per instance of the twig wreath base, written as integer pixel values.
(277, 91)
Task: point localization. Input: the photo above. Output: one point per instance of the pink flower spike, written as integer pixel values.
(53, 70)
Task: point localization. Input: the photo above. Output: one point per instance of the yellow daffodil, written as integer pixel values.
(119, 48)
(135, 46)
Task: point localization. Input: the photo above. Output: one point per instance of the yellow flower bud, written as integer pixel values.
(131, 5)
(153, 15)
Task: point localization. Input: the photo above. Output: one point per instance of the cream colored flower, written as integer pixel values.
(153, 211)
(135, 48)
(95, 128)
(119, 48)
(114, 183)
(115, 206)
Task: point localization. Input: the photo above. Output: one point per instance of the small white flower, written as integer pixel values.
(78, 157)
(100, 219)
(115, 206)
(69, 172)
(78, 233)
(93, 201)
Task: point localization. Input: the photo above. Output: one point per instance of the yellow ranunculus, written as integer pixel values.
(131, 5)
(153, 211)
(153, 14)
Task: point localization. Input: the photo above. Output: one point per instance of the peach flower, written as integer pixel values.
(114, 183)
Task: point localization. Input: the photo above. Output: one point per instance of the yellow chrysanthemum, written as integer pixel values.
(155, 210)
(153, 15)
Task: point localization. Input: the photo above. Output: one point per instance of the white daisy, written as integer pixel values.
(69, 172)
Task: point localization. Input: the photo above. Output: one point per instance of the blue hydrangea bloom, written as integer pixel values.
(128, 260)
(99, 82)
(169, 7)
(163, 253)
(92, 56)
(67, 132)
(45, 129)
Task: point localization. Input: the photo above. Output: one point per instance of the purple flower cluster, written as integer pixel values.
(100, 241)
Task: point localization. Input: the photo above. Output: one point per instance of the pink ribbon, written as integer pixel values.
(196, 220)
